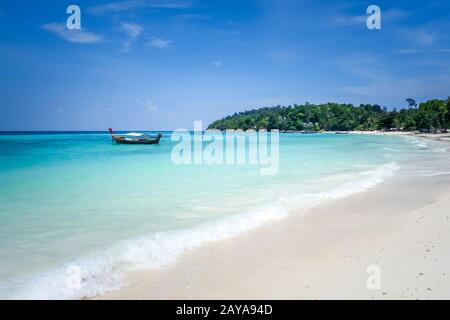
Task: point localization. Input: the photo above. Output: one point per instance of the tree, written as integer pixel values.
(446, 113)
(430, 115)
(387, 120)
(411, 103)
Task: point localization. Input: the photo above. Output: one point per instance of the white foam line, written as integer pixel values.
(433, 174)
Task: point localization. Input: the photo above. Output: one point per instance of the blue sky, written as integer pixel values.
(161, 64)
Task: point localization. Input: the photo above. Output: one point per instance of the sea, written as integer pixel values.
(77, 212)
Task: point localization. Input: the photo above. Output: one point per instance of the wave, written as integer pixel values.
(441, 150)
(433, 173)
(103, 272)
(419, 143)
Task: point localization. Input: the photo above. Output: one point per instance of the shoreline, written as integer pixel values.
(399, 225)
(443, 137)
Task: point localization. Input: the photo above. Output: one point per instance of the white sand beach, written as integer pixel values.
(401, 226)
(432, 136)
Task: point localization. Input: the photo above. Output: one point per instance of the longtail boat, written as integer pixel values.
(134, 138)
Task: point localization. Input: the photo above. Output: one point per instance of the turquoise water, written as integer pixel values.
(78, 199)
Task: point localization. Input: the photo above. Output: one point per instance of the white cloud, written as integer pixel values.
(394, 14)
(414, 51)
(217, 63)
(194, 16)
(150, 107)
(98, 109)
(407, 51)
(148, 104)
(76, 36)
(223, 32)
(419, 38)
(343, 20)
(126, 46)
(357, 59)
(158, 43)
(133, 30)
(127, 6)
(423, 37)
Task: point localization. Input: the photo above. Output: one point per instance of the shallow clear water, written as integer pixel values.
(77, 199)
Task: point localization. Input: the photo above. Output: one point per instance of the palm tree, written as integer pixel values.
(411, 102)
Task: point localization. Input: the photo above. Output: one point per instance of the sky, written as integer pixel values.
(162, 64)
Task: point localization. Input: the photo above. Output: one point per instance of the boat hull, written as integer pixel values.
(121, 140)
(134, 138)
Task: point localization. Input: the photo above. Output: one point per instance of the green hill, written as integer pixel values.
(428, 116)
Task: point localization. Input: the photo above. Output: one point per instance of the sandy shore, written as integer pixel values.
(401, 227)
(433, 136)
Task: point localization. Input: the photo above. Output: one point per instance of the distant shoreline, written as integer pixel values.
(25, 132)
(435, 136)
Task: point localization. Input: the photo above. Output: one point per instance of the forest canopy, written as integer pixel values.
(429, 116)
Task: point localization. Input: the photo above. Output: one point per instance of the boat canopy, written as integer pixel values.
(134, 134)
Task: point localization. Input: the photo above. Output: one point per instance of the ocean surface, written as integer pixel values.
(77, 205)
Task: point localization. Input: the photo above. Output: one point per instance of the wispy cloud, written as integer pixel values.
(346, 20)
(158, 43)
(217, 63)
(370, 68)
(377, 79)
(126, 46)
(357, 59)
(76, 36)
(98, 109)
(408, 51)
(194, 16)
(343, 20)
(150, 107)
(127, 6)
(395, 87)
(415, 51)
(393, 14)
(422, 36)
(133, 30)
(223, 32)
